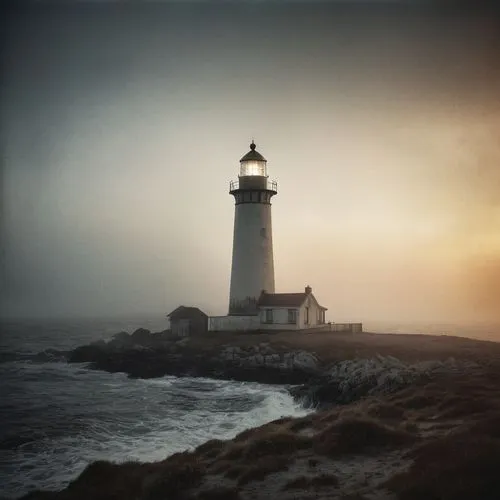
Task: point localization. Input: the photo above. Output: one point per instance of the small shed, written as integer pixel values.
(186, 321)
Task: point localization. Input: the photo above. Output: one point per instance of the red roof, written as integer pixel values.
(284, 299)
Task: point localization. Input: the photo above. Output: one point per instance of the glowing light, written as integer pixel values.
(253, 167)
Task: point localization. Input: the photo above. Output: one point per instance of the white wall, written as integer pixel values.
(280, 319)
(314, 312)
(233, 323)
(252, 262)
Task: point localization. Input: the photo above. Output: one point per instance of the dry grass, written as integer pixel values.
(385, 411)
(103, 480)
(455, 467)
(41, 495)
(175, 480)
(211, 448)
(305, 482)
(264, 442)
(219, 493)
(356, 435)
(277, 443)
(261, 468)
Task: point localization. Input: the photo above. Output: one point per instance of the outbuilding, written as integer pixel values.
(186, 321)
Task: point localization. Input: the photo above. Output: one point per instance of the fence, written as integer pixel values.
(339, 328)
(266, 184)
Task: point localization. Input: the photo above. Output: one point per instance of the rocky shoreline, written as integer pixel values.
(312, 382)
(147, 355)
(385, 428)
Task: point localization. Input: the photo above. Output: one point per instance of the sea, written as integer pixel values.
(56, 418)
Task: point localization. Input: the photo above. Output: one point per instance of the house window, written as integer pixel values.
(292, 316)
(306, 319)
(269, 315)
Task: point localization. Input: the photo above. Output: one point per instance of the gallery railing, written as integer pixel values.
(269, 185)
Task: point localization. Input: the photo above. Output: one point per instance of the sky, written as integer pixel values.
(123, 123)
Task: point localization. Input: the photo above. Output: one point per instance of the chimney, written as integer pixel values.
(308, 290)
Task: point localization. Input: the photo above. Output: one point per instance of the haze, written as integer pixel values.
(122, 126)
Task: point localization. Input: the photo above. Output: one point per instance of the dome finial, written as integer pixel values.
(252, 145)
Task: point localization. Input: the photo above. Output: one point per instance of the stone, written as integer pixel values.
(305, 361)
(141, 336)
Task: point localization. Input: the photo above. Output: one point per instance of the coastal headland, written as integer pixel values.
(397, 417)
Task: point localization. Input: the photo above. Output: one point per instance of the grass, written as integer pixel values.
(102, 480)
(219, 493)
(277, 443)
(264, 466)
(454, 467)
(174, 479)
(211, 448)
(386, 411)
(261, 443)
(356, 435)
(305, 482)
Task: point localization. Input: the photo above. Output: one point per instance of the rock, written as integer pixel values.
(305, 361)
(119, 340)
(141, 335)
(350, 380)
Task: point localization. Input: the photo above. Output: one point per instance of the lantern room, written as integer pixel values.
(253, 164)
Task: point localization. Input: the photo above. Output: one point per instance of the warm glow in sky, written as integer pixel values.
(122, 128)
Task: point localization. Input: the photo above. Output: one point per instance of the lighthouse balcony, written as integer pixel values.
(252, 183)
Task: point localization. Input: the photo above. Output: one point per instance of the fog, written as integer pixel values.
(123, 125)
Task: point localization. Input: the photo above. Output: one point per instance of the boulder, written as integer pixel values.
(306, 361)
(119, 340)
(141, 335)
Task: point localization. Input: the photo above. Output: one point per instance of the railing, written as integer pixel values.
(269, 185)
(343, 327)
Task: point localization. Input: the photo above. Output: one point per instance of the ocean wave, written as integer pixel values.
(46, 356)
(60, 417)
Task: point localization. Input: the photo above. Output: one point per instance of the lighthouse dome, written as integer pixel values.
(253, 155)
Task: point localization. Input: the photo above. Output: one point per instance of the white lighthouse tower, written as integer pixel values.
(252, 268)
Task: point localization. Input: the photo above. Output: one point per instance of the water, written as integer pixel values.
(56, 418)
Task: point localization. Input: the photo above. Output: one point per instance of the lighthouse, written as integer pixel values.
(252, 268)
